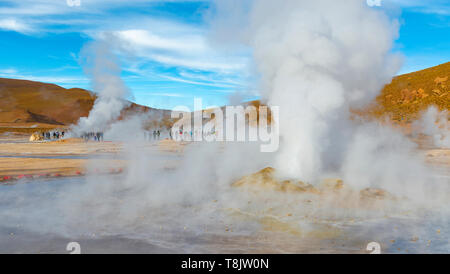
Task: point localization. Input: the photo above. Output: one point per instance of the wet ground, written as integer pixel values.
(32, 220)
(103, 216)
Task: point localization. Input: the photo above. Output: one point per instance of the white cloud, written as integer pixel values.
(181, 80)
(54, 7)
(8, 71)
(149, 40)
(198, 63)
(439, 7)
(60, 80)
(166, 45)
(14, 25)
(177, 95)
(181, 46)
(169, 42)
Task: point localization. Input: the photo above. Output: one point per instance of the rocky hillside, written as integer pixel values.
(409, 94)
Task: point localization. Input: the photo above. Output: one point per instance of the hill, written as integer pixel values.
(409, 94)
(24, 101)
(25, 104)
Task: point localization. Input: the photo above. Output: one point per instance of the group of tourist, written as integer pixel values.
(189, 136)
(92, 136)
(52, 135)
(154, 135)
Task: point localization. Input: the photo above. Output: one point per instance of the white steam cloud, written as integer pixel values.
(317, 60)
(435, 124)
(101, 65)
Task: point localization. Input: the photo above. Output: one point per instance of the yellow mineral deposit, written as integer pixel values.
(266, 179)
(35, 137)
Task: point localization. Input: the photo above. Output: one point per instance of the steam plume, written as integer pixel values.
(435, 124)
(102, 67)
(317, 60)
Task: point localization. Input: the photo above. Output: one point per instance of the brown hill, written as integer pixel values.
(25, 103)
(407, 95)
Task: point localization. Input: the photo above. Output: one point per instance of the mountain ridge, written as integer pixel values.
(25, 102)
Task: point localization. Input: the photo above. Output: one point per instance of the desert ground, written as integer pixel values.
(19, 156)
(266, 228)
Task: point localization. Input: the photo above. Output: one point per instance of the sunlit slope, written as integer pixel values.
(24, 101)
(27, 102)
(409, 94)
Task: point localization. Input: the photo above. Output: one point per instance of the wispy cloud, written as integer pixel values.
(438, 7)
(175, 79)
(55, 7)
(169, 44)
(147, 40)
(8, 71)
(176, 95)
(12, 24)
(62, 80)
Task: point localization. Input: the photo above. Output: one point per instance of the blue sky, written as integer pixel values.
(166, 58)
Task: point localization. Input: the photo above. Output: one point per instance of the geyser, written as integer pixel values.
(101, 65)
(435, 124)
(317, 60)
